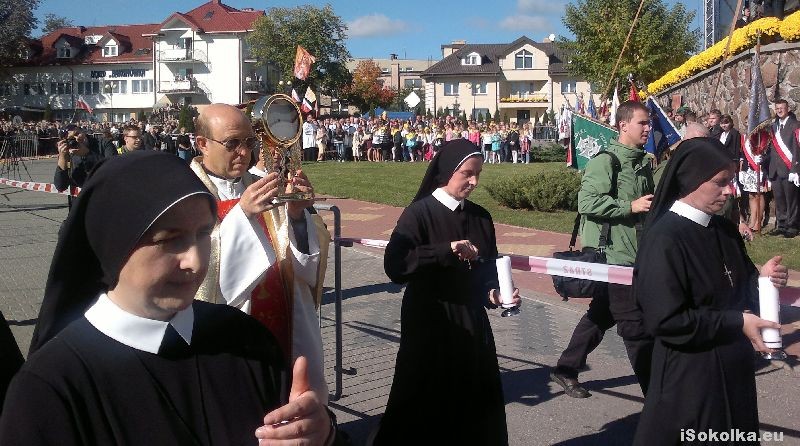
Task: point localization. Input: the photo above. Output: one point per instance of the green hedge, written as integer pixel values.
(547, 191)
(549, 153)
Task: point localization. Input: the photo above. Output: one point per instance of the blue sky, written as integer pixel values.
(413, 29)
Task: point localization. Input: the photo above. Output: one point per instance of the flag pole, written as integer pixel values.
(726, 54)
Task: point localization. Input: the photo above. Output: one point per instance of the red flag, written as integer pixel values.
(82, 104)
(306, 106)
(302, 63)
(634, 96)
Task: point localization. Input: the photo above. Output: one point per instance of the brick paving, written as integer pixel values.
(538, 413)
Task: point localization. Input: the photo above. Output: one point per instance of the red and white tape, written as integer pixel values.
(581, 270)
(38, 187)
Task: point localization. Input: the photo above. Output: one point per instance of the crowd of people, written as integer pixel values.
(415, 139)
(200, 274)
(766, 166)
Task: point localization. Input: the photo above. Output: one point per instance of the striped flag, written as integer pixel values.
(83, 105)
(295, 96)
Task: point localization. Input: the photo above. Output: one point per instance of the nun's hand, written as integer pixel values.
(494, 297)
(464, 249)
(258, 197)
(751, 327)
(778, 274)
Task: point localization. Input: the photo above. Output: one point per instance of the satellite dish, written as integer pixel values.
(552, 37)
(17, 120)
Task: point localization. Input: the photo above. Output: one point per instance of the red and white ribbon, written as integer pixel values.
(599, 272)
(39, 187)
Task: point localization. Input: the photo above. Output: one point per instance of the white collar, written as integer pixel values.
(257, 172)
(688, 211)
(783, 121)
(447, 200)
(228, 189)
(135, 331)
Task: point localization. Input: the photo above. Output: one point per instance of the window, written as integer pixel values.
(523, 60)
(384, 70)
(451, 88)
(480, 112)
(6, 90)
(64, 52)
(60, 88)
(568, 86)
(33, 89)
(409, 69)
(478, 88)
(521, 89)
(110, 50)
(472, 59)
(89, 87)
(142, 86)
(116, 87)
(412, 83)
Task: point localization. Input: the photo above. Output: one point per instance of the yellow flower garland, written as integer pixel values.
(743, 38)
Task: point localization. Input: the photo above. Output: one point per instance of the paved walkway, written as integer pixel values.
(538, 413)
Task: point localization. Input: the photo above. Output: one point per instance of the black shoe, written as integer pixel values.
(790, 233)
(571, 386)
(777, 232)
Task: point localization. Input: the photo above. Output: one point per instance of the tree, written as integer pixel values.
(16, 23)
(399, 101)
(365, 91)
(319, 30)
(53, 22)
(661, 40)
(185, 118)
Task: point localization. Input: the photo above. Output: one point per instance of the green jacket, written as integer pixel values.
(597, 204)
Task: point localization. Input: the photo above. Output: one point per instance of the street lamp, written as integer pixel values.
(284, 86)
(472, 87)
(109, 87)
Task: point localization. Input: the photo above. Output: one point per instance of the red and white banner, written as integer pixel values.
(783, 151)
(82, 104)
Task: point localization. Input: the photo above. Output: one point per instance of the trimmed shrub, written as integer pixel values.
(549, 153)
(547, 191)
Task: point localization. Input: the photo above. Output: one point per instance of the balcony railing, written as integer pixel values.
(255, 87)
(178, 86)
(181, 55)
(526, 98)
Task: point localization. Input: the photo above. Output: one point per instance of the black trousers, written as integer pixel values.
(615, 307)
(786, 195)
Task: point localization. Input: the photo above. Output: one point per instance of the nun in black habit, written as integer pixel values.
(696, 285)
(122, 353)
(444, 249)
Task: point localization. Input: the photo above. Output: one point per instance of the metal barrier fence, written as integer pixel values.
(19, 146)
(545, 132)
(337, 271)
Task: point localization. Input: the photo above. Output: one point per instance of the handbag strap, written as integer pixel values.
(575, 228)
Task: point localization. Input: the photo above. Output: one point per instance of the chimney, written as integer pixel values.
(393, 56)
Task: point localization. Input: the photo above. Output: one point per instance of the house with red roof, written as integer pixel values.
(196, 57)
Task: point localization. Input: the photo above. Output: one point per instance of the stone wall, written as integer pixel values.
(780, 64)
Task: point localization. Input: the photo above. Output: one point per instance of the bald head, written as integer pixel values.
(695, 130)
(219, 115)
(216, 126)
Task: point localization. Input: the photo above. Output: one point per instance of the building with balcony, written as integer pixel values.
(519, 81)
(197, 57)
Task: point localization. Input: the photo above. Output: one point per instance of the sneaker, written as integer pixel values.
(571, 386)
(777, 232)
(790, 233)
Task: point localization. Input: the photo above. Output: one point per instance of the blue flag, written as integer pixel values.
(592, 109)
(662, 132)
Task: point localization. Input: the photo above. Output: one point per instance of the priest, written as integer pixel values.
(123, 354)
(267, 259)
(697, 290)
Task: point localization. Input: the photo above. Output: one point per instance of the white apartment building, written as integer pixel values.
(198, 57)
(519, 80)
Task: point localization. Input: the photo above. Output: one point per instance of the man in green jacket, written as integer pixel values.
(620, 199)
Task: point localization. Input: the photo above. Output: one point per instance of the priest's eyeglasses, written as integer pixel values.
(234, 143)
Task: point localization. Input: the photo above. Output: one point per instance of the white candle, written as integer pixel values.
(769, 307)
(506, 283)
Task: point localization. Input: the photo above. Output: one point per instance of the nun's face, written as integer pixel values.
(711, 196)
(167, 266)
(465, 179)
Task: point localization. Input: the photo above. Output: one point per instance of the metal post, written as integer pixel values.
(337, 268)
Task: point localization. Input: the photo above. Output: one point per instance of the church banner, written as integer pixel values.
(588, 138)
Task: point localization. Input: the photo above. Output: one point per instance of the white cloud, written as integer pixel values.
(541, 6)
(374, 25)
(527, 23)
